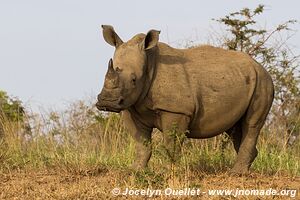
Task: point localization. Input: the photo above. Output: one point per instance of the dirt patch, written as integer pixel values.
(99, 185)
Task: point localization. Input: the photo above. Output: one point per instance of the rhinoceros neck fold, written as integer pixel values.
(149, 73)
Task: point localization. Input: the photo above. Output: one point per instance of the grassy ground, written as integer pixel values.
(98, 184)
(81, 154)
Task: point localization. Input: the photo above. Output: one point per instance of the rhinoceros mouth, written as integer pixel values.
(110, 109)
(108, 106)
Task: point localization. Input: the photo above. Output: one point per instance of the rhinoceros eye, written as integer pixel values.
(133, 79)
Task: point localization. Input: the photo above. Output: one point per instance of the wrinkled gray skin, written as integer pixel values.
(204, 90)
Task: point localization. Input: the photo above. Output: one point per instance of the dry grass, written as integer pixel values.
(98, 184)
(83, 154)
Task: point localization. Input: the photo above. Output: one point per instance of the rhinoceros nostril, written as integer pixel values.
(121, 100)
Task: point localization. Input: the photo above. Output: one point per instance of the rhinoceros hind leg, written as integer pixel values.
(252, 123)
(235, 134)
(247, 151)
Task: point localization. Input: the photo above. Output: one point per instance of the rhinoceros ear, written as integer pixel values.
(151, 39)
(110, 36)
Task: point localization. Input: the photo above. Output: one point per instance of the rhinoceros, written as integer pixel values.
(204, 90)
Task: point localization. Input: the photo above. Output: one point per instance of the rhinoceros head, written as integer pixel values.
(126, 74)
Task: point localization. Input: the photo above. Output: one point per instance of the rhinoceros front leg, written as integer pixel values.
(174, 127)
(142, 137)
(143, 148)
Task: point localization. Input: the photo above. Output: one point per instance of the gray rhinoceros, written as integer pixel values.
(204, 90)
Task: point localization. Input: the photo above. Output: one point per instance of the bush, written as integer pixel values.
(11, 111)
(11, 108)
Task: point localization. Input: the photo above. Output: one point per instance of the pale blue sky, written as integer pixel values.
(52, 52)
